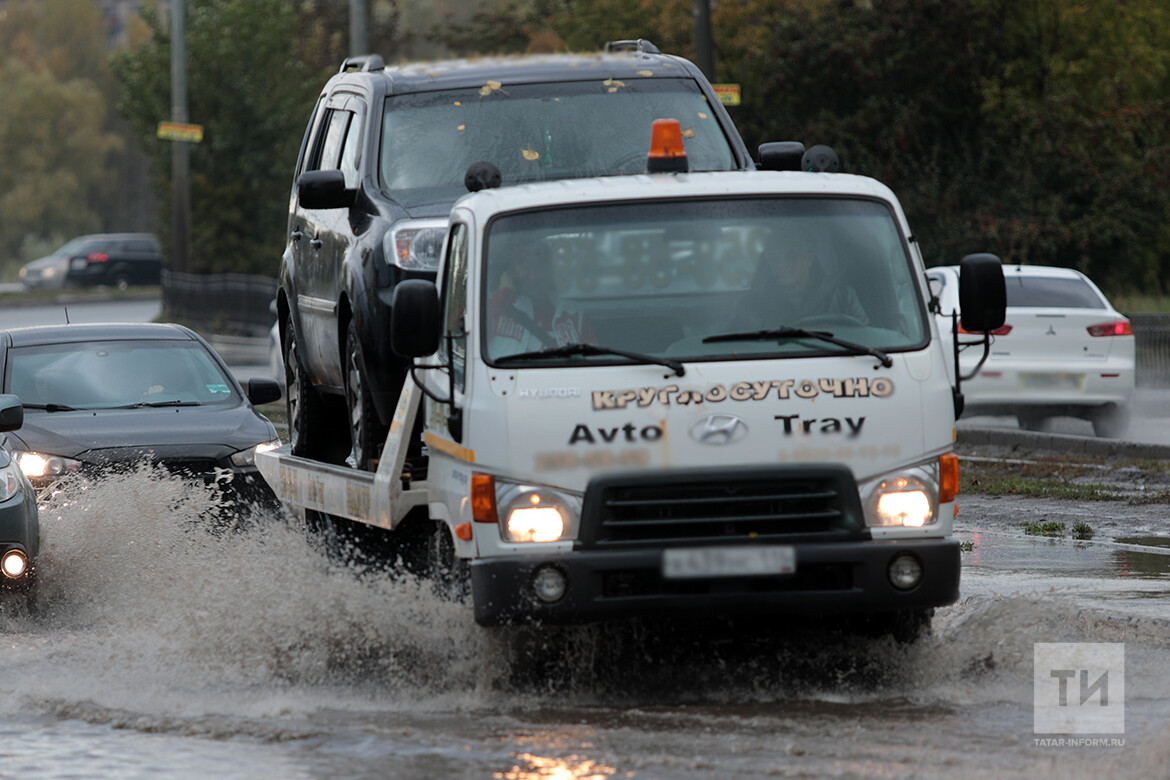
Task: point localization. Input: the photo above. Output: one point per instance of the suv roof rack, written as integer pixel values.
(641, 46)
(364, 62)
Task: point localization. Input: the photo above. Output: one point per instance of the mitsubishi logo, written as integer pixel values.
(1051, 331)
(719, 429)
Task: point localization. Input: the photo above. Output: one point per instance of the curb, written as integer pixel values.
(1060, 442)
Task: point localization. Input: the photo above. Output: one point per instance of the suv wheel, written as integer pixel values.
(306, 410)
(365, 431)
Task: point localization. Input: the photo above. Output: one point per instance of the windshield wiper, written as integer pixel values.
(786, 332)
(153, 404)
(52, 407)
(568, 350)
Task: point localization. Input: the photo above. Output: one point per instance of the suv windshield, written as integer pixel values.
(112, 374)
(701, 279)
(534, 132)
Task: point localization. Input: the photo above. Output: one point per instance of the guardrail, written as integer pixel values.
(228, 304)
(1152, 346)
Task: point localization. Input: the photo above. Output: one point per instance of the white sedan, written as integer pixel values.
(1063, 350)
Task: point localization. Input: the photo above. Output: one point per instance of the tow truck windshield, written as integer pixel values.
(701, 279)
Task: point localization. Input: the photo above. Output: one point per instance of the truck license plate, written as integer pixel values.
(696, 562)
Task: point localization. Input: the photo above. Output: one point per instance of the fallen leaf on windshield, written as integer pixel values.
(458, 103)
(490, 87)
(688, 133)
(645, 73)
(702, 115)
(613, 84)
(531, 155)
(461, 128)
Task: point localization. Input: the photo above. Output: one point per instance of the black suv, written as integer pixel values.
(116, 259)
(387, 152)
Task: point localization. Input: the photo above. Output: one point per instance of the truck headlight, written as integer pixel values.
(415, 244)
(248, 457)
(907, 498)
(37, 465)
(526, 513)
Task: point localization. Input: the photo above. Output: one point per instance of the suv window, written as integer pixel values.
(537, 132)
(329, 154)
(1042, 292)
(145, 247)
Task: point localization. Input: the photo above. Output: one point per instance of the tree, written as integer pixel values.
(254, 69)
(64, 156)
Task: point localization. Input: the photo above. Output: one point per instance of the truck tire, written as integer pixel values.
(366, 433)
(307, 432)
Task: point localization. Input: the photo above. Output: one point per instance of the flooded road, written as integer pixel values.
(164, 650)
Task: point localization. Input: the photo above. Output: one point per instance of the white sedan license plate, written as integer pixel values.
(1052, 381)
(696, 562)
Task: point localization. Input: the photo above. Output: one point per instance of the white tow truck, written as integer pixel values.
(633, 403)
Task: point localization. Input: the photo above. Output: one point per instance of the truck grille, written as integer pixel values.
(732, 505)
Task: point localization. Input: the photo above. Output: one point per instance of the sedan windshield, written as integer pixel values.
(534, 132)
(700, 279)
(115, 374)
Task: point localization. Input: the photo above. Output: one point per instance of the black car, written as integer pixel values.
(115, 259)
(386, 153)
(19, 519)
(98, 396)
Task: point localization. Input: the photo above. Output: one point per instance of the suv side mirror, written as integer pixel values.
(982, 293)
(262, 390)
(323, 190)
(11, 412)
(414, 318)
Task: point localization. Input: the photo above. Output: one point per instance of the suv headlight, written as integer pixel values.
(415, 244)
(907, 498)
(526, 513)
(36, 465)
(248, 457)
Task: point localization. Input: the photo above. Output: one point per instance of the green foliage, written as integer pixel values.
(61, 146)
(254, 69)
(1048, 528)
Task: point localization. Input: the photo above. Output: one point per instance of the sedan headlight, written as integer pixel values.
(907, 498)
(526, 513)
(36, 465)
(9, 482)
(415, 244)
(248, 457)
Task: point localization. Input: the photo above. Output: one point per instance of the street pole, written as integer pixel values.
(359, 42)
(704, 55)
(180, 154)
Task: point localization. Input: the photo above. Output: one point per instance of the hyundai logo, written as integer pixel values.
(719, 429)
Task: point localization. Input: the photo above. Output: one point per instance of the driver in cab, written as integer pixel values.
(525, 312)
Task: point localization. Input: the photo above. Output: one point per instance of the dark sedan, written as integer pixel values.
(103, 395)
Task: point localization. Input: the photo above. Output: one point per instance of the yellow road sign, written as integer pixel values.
(728, 93)
(177, 131)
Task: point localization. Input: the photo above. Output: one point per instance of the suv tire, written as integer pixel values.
(366, 433)
(307, 416)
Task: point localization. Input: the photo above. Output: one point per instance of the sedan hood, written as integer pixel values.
(126, 434)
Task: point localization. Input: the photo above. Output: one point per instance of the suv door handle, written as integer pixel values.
(315, 243)
(296, 235)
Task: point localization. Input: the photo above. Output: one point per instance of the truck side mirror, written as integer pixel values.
(323, 190)
(414, 318)
(781, 155)
(11, 412)
(982, 293)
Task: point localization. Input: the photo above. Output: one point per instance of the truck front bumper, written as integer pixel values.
(835, 578)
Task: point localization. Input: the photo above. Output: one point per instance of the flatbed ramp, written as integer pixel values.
(381, 498)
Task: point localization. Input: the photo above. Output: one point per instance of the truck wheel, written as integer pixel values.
(306, 409)
(366, 433)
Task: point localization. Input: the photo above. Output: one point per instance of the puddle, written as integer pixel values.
(1148, 541)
